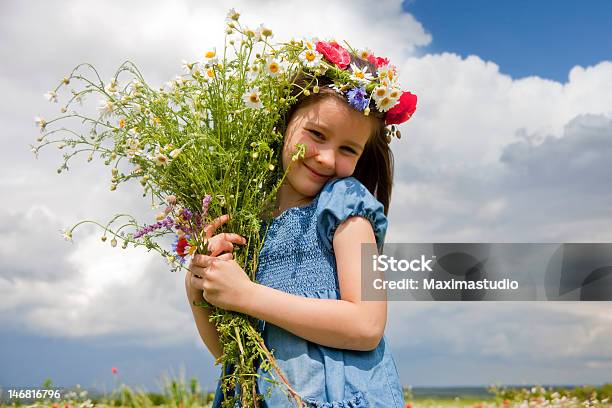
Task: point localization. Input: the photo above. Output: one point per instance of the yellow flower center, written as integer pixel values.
(210, 54)
(381, 92)
(394, 94)
(359, 74)
(210, 72)
(364, 55)
(273, 67)
(121, 123)
(253, 98)
(310, 56)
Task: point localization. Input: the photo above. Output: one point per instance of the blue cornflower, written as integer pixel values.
(357, 98)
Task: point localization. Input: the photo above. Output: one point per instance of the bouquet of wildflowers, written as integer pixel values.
(208, 143)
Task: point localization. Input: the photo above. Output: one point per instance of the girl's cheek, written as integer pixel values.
(311, 148)
(346, 167)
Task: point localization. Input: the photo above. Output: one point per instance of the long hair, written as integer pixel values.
(374, 168)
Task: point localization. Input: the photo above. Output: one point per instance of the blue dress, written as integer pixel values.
(297, 257)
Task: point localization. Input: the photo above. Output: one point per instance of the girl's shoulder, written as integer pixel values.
(343, 198)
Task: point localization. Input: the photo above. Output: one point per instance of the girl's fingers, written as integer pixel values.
(200, 261)
(226, 257)
(220, 247)
(210, 229)
(196, 282)
(231, 237)
(223, 243)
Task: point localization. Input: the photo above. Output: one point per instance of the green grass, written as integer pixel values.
(179, 393)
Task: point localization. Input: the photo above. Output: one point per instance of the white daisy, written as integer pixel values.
(380, 92)
(252, 98)
(310, 58)
(111, 87)
(310, 43)
(360, 75)
(273, 67)
(264, 31)
(67, 235)
(106, 108)
(160, 159)
(51, 96)
(211, 57)
(255, 35)
(40, 122)
(386, 103)
(133, 148)
(232, 15)
(395, 93)
(387, 72)
(364, 53)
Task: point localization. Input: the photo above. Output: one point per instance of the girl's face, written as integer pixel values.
(334, 134)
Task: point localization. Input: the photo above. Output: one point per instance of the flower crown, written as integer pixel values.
(363, 89)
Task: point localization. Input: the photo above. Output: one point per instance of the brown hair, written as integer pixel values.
(374, 168)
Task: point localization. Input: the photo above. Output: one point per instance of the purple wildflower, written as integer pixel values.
(167, 223)
(205, 204)
(357, 98)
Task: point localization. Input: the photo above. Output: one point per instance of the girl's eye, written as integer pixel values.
(318, 135)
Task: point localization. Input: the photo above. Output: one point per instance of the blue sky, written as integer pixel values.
(543, 37)
(487, 157)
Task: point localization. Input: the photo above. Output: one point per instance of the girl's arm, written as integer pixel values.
(207, 330)
(218, 244)
(349, 323)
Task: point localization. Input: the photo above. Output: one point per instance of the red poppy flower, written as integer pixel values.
(404, 109)
(114, 370)
(181, 245)
(334, 53)
(378, 61)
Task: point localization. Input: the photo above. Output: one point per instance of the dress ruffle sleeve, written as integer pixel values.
(344, 198)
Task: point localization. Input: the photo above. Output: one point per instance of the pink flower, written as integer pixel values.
(114, 370)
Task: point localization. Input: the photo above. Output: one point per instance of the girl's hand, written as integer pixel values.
(221, 242)
(220, 247)
(223, 282)
(216, 245)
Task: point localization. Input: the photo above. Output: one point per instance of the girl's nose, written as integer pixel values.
(326, 158)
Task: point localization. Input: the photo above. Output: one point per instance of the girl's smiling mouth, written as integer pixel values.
(315, 174)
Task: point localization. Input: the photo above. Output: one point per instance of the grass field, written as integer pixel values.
(178, 393)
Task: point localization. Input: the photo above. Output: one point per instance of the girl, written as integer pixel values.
(327, 341)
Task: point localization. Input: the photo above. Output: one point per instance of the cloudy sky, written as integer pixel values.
(510, 143)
